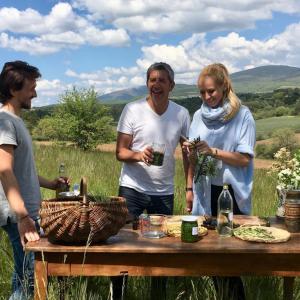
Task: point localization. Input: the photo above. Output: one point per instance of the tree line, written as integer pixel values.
(82, 119)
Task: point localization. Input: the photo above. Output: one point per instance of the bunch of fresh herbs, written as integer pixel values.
(205, 164)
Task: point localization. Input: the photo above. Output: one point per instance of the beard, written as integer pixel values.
(26, 105)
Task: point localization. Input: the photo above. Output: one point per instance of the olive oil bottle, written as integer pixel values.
(63, 186)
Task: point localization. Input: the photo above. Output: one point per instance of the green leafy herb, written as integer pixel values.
(205, 164)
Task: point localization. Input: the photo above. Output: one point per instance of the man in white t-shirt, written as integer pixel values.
(154, 119)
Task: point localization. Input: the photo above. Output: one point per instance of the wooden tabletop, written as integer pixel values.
(131, 241)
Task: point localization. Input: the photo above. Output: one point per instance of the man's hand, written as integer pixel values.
(55, 183)
(61, 180)
(189, 201)
(146, 156)
(27, 230)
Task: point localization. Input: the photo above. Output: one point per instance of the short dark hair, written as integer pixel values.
(161, 66)
(13, 76)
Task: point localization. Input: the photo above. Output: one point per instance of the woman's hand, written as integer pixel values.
(189, 201)
(203, 148)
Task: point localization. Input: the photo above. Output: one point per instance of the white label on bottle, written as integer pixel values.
(230, 216)
(195, 231)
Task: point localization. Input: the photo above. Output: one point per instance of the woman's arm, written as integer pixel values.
(232, 158)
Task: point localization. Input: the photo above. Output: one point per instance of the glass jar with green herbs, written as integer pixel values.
(189, 229)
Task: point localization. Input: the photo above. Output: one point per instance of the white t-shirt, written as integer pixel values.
(139, 120)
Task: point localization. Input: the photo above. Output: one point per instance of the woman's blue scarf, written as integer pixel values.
(212, 116)
(202, 189)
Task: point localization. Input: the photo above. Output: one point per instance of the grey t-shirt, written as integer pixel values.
(14, 132)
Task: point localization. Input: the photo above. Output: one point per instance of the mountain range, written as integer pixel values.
(257, 80)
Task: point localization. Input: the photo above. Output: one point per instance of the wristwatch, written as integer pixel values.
(189, 189)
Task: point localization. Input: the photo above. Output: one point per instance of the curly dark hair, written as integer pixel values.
(13, 76)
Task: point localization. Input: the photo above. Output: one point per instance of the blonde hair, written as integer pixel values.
(220, 75)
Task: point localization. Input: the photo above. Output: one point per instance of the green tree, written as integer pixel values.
(80, 118)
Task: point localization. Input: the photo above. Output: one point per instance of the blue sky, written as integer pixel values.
(110, 44)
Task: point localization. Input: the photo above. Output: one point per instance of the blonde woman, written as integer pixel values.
(227, 132)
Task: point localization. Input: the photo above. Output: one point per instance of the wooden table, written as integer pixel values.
(129, 253)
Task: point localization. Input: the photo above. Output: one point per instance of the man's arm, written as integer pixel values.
(26, 225)
(125, 154)
(53, 184)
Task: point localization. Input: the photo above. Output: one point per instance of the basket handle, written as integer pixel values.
(83, 190)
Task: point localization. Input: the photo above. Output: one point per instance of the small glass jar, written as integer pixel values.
(189, 229)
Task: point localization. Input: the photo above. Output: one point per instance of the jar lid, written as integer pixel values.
(189, 218)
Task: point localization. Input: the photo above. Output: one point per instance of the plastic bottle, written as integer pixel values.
(225, 213)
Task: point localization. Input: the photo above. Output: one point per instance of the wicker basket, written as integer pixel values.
(81, 220)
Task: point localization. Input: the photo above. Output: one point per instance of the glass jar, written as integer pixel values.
(189, 229)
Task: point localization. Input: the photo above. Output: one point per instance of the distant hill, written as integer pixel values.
(128, 95)
(257, 80)
(266, 79)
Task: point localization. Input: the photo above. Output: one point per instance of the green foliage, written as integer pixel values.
(282, 137)
(267, 126)
(285, 137)
(79, 118)
(282, 111)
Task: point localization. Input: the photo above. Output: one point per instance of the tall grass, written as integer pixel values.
(102, 171)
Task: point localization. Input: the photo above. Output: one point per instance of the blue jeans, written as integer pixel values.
(154, 204)
(23, 274)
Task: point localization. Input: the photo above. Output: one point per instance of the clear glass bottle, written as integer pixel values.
(225, 213)
(63, 186)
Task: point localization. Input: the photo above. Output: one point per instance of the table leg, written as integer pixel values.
(41, 278)
(288, 284)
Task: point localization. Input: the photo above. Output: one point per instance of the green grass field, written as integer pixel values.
(265, 127)
(102, 172)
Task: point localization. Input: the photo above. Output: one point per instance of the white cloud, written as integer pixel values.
(109, 79)
(31, 46)
(185, 16)
(192, 54)
(49, 91)
(31, 32)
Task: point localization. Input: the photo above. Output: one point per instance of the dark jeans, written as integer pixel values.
(233, 284)
(23, 274)
(136, 203)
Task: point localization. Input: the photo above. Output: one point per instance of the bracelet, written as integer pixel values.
(189, 189)
(215, 152)
(22, 218)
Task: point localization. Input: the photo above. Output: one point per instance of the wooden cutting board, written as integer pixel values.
(239, 220)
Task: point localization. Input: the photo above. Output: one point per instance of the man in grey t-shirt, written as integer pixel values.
(20, 197)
